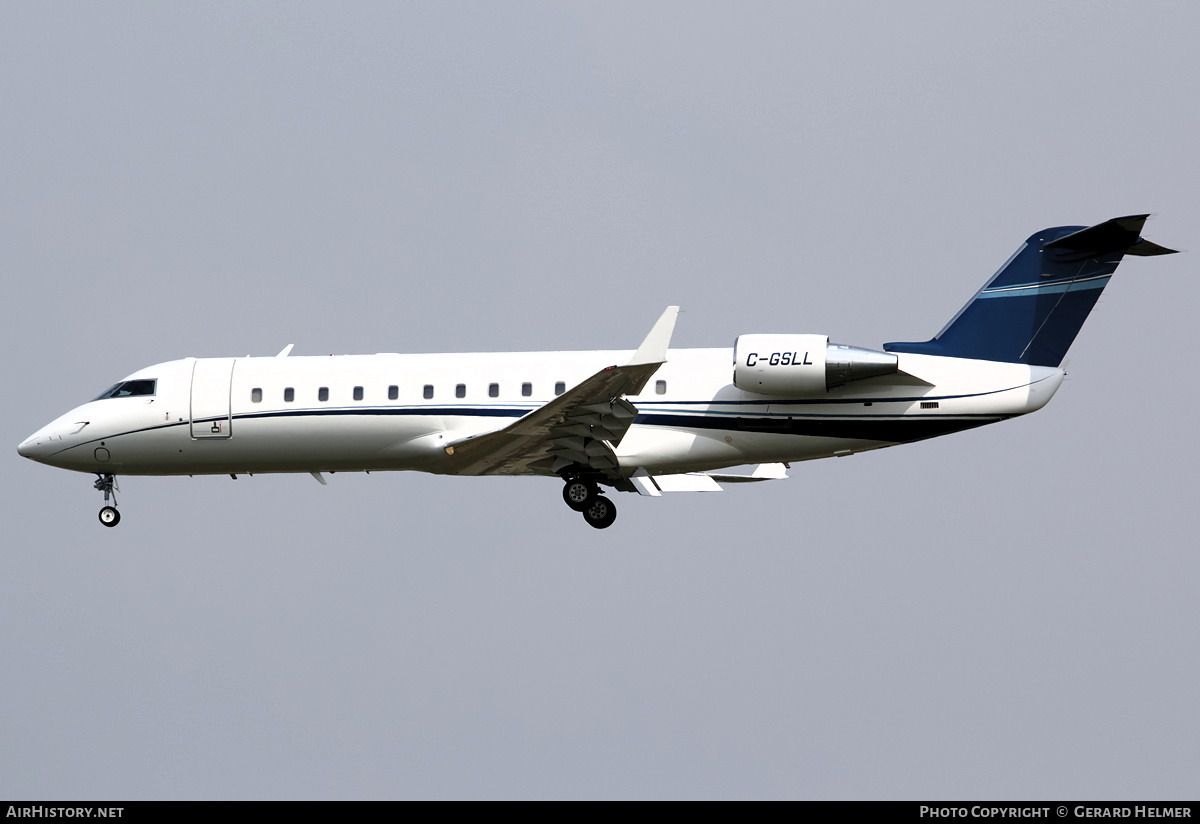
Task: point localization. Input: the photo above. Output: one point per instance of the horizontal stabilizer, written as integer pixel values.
(655, 485)
(1114, 235)
(1121, 234)
(1144, 248)
(762, 472)
(687, 482)
(644, 484)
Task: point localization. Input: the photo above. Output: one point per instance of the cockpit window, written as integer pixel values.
(126, 389)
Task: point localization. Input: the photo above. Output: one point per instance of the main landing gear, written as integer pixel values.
(584, 496)
(108, 485)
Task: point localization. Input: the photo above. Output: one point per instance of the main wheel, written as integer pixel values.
(109, 516)
(578, 493)
(600, 512)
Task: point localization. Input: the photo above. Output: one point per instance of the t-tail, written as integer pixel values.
(1032, 309)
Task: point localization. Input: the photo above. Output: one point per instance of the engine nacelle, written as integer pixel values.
(803, 364)
(780, 364)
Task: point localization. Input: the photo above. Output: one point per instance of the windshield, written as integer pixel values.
(126, 389)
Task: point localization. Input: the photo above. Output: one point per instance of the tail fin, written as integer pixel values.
(1032, 309)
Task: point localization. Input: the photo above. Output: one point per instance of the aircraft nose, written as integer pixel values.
(38, 445)
(53, 439)
(29, 448)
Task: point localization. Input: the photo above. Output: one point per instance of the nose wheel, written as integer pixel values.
(108, 485)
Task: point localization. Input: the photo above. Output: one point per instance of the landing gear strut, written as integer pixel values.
(583, 496)
(108, 485)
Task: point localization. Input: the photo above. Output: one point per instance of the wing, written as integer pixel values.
(579, 427)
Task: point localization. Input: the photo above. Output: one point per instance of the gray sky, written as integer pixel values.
(1004, 613)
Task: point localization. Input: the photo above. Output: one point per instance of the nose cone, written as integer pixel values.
(48, 441)
(37, 446)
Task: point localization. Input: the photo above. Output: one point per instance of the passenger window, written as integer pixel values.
(526, 390)
(559, 388)
(358, 395)
(393, 392)
(660, 387)
(460, 391)
(289, 395)
(323, 393)
(428, 391)
(493, 390)
(255, 396)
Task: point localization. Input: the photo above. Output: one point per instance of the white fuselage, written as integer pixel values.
(234, 415)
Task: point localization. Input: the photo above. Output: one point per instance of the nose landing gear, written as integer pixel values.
(108, 485)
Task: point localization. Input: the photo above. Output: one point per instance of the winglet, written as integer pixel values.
(654, 347)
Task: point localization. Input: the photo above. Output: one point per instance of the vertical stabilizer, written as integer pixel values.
(1032, 309)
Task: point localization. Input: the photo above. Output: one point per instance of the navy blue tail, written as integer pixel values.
(1032, 309)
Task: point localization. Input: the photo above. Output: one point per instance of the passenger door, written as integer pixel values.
(210, 413)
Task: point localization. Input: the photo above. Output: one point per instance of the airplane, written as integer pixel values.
(649, 421)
